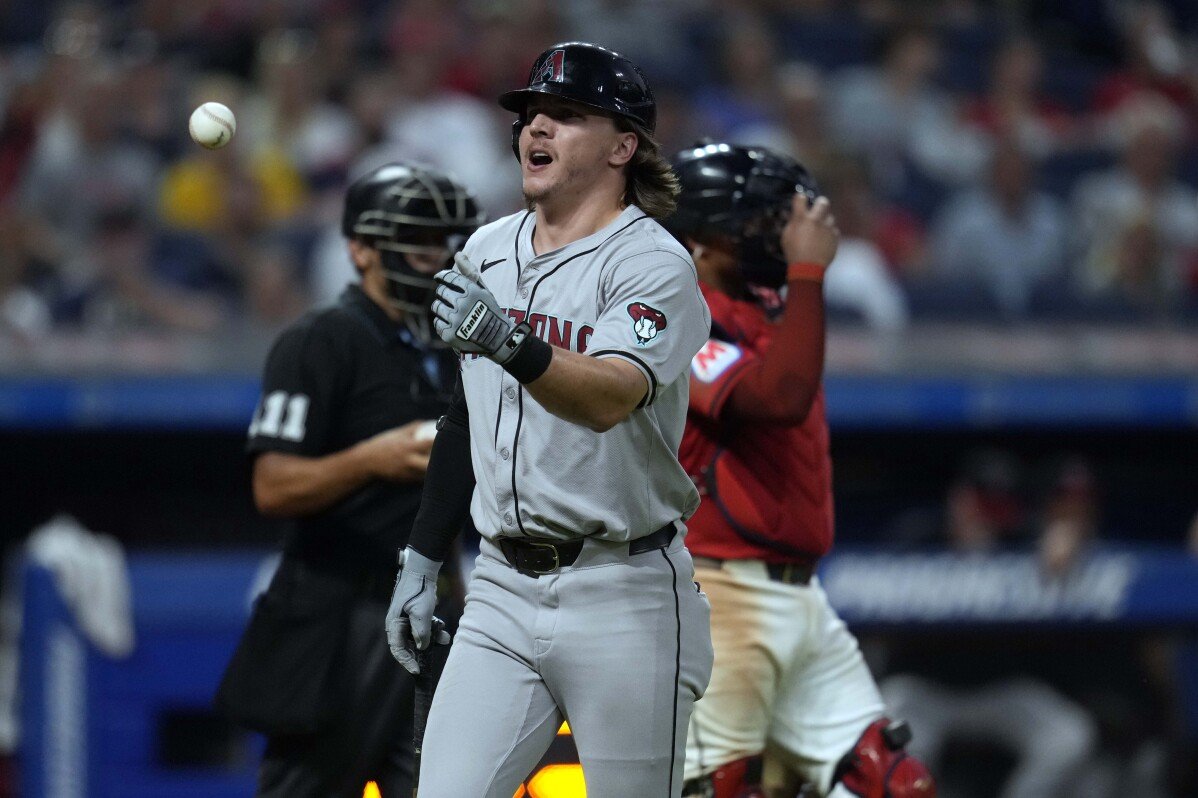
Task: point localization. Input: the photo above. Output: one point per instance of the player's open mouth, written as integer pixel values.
(538, 159)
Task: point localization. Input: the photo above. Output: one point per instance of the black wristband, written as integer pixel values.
(530, 358)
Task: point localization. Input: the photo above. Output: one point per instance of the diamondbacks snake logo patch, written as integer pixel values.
(647, 322)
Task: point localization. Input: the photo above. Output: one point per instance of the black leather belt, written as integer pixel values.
(790, 573)
(536, 556)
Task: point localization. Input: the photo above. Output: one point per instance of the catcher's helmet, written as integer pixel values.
(402, 209)
(743, 193)
(587, 74)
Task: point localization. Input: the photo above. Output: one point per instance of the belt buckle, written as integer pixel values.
(557, 563)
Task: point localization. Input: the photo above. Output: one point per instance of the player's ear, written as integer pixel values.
(360, 253)
(623, 148)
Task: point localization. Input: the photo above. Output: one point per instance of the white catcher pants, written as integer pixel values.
(787, 672)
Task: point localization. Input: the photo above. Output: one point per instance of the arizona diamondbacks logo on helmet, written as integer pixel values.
(647, 322)
(554, 68)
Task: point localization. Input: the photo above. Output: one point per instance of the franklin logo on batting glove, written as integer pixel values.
(477, 314)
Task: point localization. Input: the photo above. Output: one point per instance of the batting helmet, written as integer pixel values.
(743, 193)
(402, 209)
(587, 74)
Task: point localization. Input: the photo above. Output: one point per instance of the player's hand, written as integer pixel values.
(410, 623)
(466, 314)
(413, 659)
(398, 455)
(810, 235)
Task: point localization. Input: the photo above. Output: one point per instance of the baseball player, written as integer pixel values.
(337, 448)
(789, 679)
(577, 321)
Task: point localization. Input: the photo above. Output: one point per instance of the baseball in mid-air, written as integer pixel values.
(212, 125)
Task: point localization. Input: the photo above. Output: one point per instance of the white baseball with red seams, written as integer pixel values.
(212, 125)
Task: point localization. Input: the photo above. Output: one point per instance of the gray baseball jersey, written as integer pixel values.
(629, 291)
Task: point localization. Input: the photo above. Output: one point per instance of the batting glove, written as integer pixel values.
(411, 625)
(467, 316)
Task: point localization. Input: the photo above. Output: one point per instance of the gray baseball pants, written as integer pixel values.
(618, 645)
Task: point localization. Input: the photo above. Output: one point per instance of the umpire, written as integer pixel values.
(340, 444)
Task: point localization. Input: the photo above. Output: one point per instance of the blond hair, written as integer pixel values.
(651, 184)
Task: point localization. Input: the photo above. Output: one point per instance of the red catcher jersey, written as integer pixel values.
(766, 488)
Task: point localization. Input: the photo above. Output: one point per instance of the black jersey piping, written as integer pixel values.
(516, 252)
(498, 418)
(652, 393)
(516, 242)
(520, 395)
(528, 311)
(677, 668)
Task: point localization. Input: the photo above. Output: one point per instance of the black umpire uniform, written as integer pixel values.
(313, 671)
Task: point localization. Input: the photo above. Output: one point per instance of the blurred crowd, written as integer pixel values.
(988, 161)
(1044, 711)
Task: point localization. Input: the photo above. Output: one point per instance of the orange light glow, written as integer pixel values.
(372, 790)
(565, 729)
(558, 781)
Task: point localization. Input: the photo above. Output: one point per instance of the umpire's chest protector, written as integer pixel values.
(628, 291)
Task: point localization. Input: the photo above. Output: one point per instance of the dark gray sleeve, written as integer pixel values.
(448, 485)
